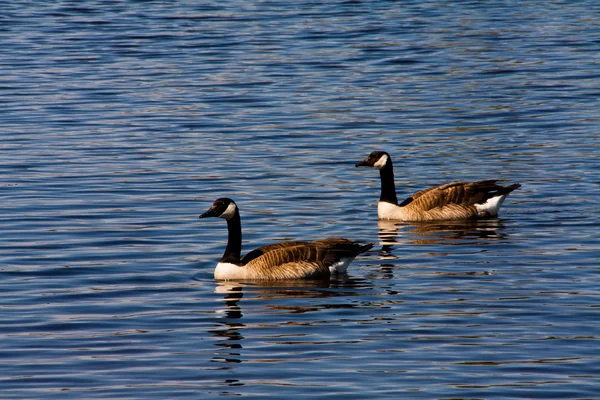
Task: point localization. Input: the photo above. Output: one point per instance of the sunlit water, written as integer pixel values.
(122, 122)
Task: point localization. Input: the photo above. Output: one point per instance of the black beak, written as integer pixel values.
(362, 164)
(210, 213)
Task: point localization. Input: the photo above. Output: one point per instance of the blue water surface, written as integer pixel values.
(122, 121)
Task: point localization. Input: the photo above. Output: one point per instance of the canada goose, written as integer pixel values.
(452, 201)
(285, 260)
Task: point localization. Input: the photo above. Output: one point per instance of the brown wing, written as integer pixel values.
(265, 249)
(455, 200)
(301, 260)
(297, 260)
(457, 193)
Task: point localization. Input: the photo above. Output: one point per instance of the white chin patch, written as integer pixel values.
(381, 162)
(229, 212)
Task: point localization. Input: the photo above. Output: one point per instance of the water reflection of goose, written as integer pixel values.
(456, 232)
(286, 295)
(271, 305)
(230, 329)
(285, 260)
(452, 201)
(341, 285)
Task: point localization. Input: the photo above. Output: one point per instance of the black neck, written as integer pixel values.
(388, 188)
(234, 240)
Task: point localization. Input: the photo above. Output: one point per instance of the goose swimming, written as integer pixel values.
(452, 201)
(285, 260)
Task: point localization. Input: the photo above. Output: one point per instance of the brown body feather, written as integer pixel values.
(456, 200)
(452, 201)
(299, 260)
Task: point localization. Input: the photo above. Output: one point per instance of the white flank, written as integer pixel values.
(340, 267)
(229, 212)
(491, 206)
(228, 271)
(381, 162)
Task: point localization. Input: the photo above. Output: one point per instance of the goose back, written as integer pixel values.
(295, 260)
(455, 200)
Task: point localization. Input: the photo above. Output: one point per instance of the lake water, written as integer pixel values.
(122, 121)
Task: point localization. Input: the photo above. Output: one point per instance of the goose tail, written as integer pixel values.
(365, 247)
(509, 188)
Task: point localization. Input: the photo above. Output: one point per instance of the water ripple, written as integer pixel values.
(123, 122)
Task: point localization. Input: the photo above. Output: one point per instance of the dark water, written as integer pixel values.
(122, 121)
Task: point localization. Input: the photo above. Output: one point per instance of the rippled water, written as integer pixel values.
(122, 121)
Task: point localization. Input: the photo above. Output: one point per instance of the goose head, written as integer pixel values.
(377, 159)
(221, 208)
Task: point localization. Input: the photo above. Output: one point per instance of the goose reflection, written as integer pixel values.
(288, 290)
(280, 297)
(443, 232)
(231, 328)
